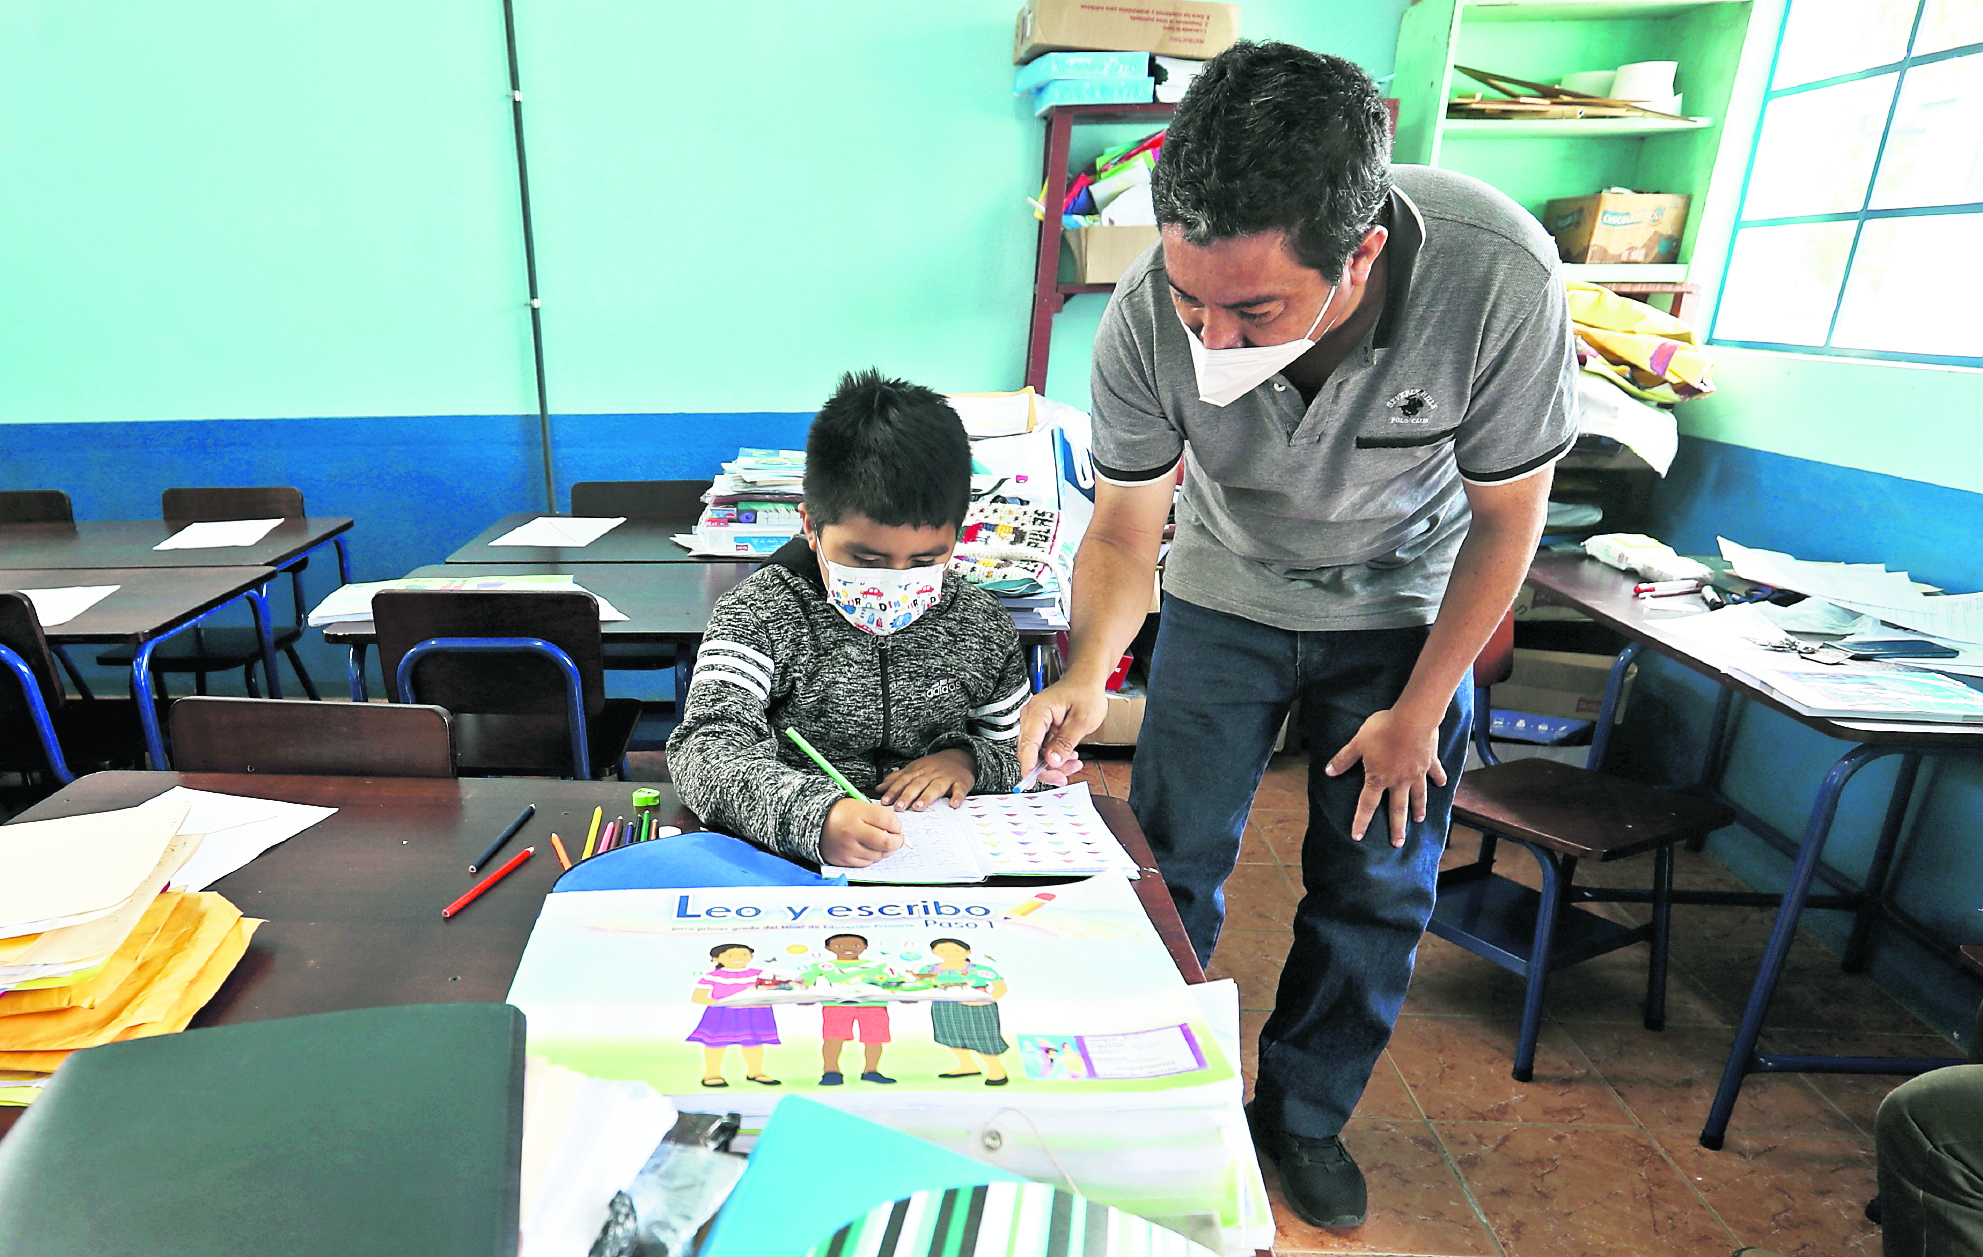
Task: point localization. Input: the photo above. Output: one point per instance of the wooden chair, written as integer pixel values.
(35, 506)
(273, 735)
(521, 673)
(207, 650)
(670, 499)
(1561, 815)
(42, 732)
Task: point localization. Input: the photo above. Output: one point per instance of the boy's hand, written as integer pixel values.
(922, 782)
(857, 834)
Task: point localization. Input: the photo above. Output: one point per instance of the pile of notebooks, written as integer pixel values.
(93, 948)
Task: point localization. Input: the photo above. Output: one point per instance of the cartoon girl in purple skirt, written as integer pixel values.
(748, 1029)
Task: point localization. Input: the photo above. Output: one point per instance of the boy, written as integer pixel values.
(842, 1021)
(905, 678)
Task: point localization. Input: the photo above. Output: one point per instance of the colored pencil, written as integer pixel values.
(591, 834)
(564, 861)
(487, 882)
(799, 740)
(522, 819)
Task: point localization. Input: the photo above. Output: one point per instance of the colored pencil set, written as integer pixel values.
(619, 832)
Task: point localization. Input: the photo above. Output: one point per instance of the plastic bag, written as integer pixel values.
(679, 1189)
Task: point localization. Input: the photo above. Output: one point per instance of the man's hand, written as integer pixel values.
(921, 782)
(857, 834)
(1053, 724)
(1398, 757)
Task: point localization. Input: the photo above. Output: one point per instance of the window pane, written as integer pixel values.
(1827, 37)
(1913, 287)
(1949, 24)
(1816, 150)
(1935, 151)
(1782, 283)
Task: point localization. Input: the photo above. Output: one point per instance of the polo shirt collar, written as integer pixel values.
(1400, 256)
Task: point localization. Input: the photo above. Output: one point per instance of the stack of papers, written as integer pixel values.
(1865, 587)
(563, 532)
(1055, 833)
(994, 414)
(352, 604)
(59, 606)
(212, 534)
(93, 947)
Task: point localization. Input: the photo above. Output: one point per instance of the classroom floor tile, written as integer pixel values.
(1599, 1154)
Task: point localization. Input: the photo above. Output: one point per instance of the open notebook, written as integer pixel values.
(1055, 833)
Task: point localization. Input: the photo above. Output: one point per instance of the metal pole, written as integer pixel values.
(530, 261)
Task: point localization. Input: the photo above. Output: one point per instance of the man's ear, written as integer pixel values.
(1366, 253)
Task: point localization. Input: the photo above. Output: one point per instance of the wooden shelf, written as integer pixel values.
(1627, 272)
(1577, 128)
(1577, 10)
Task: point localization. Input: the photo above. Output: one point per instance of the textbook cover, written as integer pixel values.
(869, 997)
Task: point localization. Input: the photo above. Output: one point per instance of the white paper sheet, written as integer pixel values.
(1867, 587)
(214, 533)
(567, 532)
(237, 828)
(349, 604)
(59, 606)
(994, 414)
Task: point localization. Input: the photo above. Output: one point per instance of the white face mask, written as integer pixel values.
(1226, 375)
(882, 600)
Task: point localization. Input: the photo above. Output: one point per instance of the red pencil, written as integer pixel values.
(487, 882)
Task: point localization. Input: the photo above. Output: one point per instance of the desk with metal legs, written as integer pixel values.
(1605, 594)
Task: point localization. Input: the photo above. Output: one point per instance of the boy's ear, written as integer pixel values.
(806, 529)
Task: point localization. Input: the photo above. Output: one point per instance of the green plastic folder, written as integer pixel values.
(380, 1131)
(815, 1169)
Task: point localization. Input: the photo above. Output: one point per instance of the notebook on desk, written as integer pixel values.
(378, 1130)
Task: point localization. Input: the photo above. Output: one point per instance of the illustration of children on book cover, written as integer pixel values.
(862, 994)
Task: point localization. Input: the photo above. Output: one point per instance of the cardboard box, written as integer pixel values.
(1560, 683)
(1175, 28)
(1102, 254)
(1618, 227)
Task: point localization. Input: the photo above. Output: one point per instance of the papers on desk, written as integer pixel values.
(352, 604)
(215, 533)
(1055, 833)
(564, 532)
(234, 829)
(994, 414)
(1865, 587)
(59, 606)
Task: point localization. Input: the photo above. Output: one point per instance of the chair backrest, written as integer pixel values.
(670, 498)
(276, 735)
(36, 506)
(192, 506)
(20, 631)
(694, 859)
(508, 684)
(1496, 661)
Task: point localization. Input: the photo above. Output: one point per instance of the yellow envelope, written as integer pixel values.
(109, 976)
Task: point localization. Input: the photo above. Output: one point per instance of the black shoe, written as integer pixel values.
(1319, 1178)
(1873, 1211)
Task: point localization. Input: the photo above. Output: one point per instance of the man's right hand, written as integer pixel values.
(859, 833)
(1055, 721)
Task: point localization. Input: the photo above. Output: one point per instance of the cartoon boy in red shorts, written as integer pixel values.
(840, 1022)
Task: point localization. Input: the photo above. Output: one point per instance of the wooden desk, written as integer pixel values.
(128, 543)
(354, 903)
(642, 539)
(1605, 594)
(663, 602)
(150, 605)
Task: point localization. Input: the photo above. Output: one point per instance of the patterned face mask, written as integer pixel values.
(882, 600)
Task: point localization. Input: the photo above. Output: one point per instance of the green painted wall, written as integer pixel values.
(293, 208)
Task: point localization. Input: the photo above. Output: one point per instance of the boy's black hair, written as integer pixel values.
(862, 937)
(937, 942)
(720, 948)
(890, 450)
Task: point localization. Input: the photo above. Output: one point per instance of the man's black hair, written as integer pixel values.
(890, 450)
(938, 942)
(862, 937)
(1271, 137)
(720, 948)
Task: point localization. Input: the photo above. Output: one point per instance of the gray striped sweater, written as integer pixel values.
(777, 655)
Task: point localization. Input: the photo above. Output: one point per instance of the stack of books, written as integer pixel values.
(1014, 552)
(752, 506)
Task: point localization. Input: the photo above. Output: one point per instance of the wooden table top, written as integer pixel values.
(642, 539)
(663, 602)
(149, 601)
(129, 542)
(353, 904)
(1605, 594)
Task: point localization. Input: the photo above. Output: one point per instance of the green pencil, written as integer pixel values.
(799, 740)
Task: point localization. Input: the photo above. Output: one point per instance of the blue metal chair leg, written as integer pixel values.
(355, 670)
(44, 727)
(684, 673)
(1554, 881)
(1741, 1056)
(1876, 871)
(258, 602)
(309, 686)
(1716, 753)
(343, 560)
(1662, 936)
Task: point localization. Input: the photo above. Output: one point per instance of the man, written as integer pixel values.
(1368, 375)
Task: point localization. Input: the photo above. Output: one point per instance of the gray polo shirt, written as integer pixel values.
(1347, 514)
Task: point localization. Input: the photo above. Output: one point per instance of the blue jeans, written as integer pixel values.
(1220, 685)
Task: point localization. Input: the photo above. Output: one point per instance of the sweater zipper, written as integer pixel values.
(881, 757)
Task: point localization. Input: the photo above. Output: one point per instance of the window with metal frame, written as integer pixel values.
(1860, 232)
